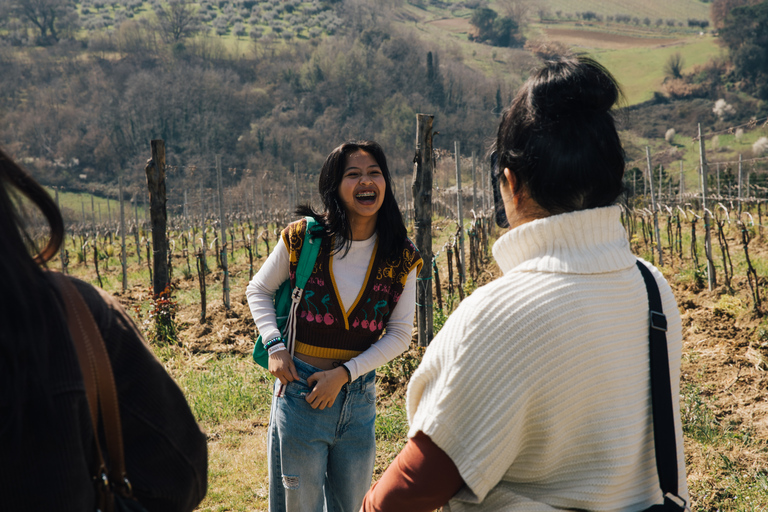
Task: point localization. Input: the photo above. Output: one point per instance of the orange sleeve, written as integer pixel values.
(421, 478)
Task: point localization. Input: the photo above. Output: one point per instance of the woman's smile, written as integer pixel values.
(362, 188)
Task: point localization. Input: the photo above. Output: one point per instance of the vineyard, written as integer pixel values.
(206, 346)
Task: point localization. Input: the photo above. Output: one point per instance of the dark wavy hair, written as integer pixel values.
(389, 222)
(559, 137)
(30, 311)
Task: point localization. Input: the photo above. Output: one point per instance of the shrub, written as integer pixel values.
(760, 147)
(723, 110)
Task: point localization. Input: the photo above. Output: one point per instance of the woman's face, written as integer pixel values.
(362, 186)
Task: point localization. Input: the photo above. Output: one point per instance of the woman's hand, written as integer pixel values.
(327, 387)
(281, 366)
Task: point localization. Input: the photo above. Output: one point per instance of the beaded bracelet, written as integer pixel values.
(274, 341)
(349, 373)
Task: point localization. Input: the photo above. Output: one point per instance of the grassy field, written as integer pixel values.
(640, 70)
(724, 364)
(92, 207)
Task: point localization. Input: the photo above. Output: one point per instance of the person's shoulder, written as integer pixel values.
(97, 300)
(411, 255)
(408, 245)
(293, 234)
(296, 227)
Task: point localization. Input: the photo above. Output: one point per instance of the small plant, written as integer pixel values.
(397, 372)
(163, 310)
(698, 420)
(728, 306)
(438, 320)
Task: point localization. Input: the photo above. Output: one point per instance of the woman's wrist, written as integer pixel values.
(348, 373)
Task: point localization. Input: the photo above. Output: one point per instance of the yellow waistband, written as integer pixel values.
(327, 353)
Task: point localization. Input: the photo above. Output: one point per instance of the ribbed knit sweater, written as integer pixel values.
(538, 386)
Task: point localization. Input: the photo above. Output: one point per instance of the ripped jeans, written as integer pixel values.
(321, 460)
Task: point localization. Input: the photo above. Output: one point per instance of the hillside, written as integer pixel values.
(273, 85)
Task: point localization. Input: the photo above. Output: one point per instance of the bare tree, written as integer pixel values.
(177, 19)
(674, 66)
(516, 9)
(45, 16)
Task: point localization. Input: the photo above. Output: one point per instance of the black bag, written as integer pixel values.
(661, 398)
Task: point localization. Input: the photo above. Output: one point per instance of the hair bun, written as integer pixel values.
(572, 85)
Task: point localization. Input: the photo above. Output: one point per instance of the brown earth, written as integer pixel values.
(606, 40)
(725, 356)
(460, 25)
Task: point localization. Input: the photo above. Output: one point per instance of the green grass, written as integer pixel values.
(640, 71)
(95, 208)
(730, 483)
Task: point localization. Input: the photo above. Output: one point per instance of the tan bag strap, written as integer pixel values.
(98, 378)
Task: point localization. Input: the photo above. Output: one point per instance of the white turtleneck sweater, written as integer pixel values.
(538, 387)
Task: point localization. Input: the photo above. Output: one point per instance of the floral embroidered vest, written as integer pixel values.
(323, 328)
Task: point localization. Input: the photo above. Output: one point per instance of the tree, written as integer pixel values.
(745, 33)
(435, 87)
(721, 8)
(674, 66)
(516, 10)
(482, 19)
(177, 20)
(499, 31)
(45, 16)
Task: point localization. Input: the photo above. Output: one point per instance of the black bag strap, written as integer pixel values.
(661, 390)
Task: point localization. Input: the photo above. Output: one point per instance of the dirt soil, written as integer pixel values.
(725, 354)
(594, 39)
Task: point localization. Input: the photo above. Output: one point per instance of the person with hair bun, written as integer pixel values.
(535, 394)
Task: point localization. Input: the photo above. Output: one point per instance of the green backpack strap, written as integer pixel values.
(308, 253)
(285, 297)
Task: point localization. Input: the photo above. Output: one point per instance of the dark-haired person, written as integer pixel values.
(47, 446)
(321, 431)
(535, 394)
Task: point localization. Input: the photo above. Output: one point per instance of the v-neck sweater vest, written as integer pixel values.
(324, 328)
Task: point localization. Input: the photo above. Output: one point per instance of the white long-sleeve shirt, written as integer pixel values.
(349, 274)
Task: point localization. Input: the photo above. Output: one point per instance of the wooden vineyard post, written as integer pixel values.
(155, 171)
(740, 182)
(200, 260)
(136, 227)
(405, 202)
(707, 234)
(653, 204)
(460, 271)
(295, 202)
(63, 250)
(449, 255)
(123, 255)
(422, 206)
(223, 223)
(460, 219)
(438, 291)
(682, 183)
(96, 263)
(474, 182)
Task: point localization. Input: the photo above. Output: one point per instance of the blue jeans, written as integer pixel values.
(321, 460)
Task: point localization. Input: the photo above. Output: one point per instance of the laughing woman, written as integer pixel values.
(321, 430)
